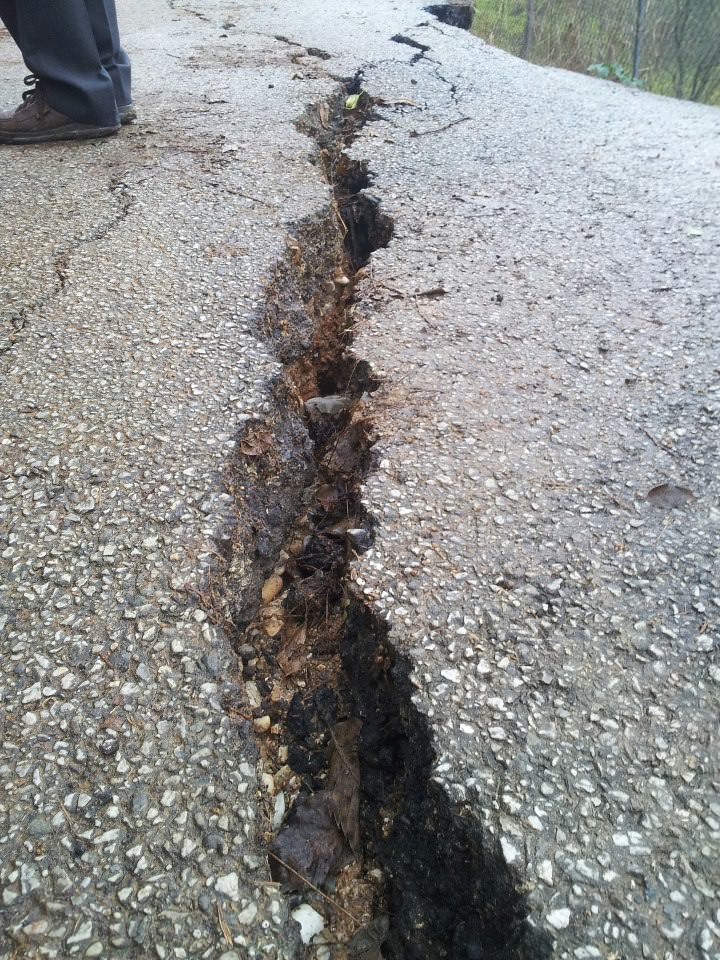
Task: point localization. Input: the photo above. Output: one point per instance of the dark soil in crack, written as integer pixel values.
(454, 14)
(371, 842)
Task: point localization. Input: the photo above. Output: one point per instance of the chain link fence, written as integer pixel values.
(667, 46)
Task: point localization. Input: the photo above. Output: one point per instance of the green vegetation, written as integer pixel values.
(616, 72)
(679, 40)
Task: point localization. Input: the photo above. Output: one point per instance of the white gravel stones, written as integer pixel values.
(544, 870)
(452, 674)
(311, 922)
(33, 694)
(229, 885)
(83, 932)
(248, 915)
(558, 919)
(510, 851)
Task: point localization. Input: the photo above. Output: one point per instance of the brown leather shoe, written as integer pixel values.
(35, 121)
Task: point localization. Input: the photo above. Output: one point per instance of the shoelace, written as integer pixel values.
(34, 95)
(33, 82)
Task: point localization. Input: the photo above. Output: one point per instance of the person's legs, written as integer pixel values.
(8, 15)
(57, 43)
(103, 19)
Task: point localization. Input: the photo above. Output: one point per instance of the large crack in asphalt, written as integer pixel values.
(398, 868)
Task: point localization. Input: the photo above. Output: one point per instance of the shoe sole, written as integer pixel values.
(127, 114)
(75, 132)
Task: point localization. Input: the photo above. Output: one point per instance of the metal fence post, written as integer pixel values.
(639, 31)
(529, 27)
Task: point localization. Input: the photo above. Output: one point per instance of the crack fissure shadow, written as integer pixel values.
(459, 15)
(449, 892)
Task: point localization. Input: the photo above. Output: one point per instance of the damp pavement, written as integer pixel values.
(544, 322)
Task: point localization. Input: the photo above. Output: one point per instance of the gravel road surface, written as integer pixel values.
(546, 489)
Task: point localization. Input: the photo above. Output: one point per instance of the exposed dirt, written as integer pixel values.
(359, 829)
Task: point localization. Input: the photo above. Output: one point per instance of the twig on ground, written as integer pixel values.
(425, 133)
(224, 927)
(312, 886)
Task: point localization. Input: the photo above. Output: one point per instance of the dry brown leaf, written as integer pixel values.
(272, 626)
(669, 496)
(296, 635)
(343, 781)
(255, 443)
(327, 496)
(366, 943)
(292, 656)
(311, 843)
(289, 666)
(323, 831)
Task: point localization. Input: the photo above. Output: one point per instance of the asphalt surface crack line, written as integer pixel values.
(176, 5)
(318, 663)
(62, 263)
(421, 48)
(422, 54)
(452, 87)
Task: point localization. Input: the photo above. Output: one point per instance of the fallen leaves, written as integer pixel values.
(308, 746)
(322, 833)
(256, 443)
(368, 941)
(344, 781)
(291, 657)
(328, 495)
(668, 496)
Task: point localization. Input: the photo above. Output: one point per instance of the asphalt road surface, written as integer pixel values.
(544, 324)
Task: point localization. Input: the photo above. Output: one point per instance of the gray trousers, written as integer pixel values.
(73, 46)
